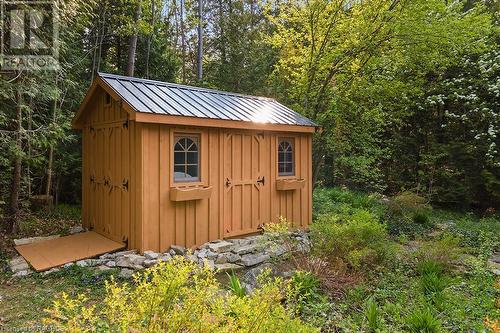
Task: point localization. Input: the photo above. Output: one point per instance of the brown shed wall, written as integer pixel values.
(243, 157)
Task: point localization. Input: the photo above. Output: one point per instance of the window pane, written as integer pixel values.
(192, 171)
(191, 145)
(179, 158)
(285, 157)
(192, 157)
(179, 173)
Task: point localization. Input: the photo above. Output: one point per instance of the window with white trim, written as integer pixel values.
(286, 162)
(186, 158)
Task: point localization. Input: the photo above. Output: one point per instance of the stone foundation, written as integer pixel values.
(221, 255)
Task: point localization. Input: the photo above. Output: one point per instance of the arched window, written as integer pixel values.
(186, 159)
(285, 158)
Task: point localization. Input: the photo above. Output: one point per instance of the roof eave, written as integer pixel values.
(154, 118)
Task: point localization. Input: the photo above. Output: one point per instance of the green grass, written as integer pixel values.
(23, 300)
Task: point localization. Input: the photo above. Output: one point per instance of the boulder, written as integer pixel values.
(179, 250)
(253, 259)
(227, 267)
(50, 271)
(22, 273)
(150, 262)
(30, 240)
(251, 276)
(120, 254)
(76, 229)
(103, 268)
(221, 246)
(151, 255)
(277, 251)
(82, 263)
(165, 257)
(111, 264)
(126, 273)
(130, 261)
(227, 257)
(244, 249)
(18, 264)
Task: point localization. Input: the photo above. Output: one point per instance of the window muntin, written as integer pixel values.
(186, 158)
(286, 163)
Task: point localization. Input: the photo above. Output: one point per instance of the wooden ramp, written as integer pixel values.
(59, 251)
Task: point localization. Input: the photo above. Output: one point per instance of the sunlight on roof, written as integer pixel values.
(264, 115)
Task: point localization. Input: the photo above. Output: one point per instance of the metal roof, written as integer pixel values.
(179, 100)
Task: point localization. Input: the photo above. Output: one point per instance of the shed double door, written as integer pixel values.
(245, 182)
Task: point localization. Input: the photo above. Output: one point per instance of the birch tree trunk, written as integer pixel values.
(132, 46)
(200, 40)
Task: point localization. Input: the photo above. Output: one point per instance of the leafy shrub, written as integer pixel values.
(356, 240)
(408, 214)
(430, 266)
(373, 315)
(433, 285)
(407, 202)
(334, 279)
(420, 218)
(305, 297)
(442, 251)
(423, 321)
(176, 296)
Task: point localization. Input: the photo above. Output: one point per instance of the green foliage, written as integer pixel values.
(304, 296)
(408, 214)
(328, 200)
(430, 266)
(373, 315)
(358, 240)
(235, 285)
(176, 296)
(423, 321)
(420, 218)
(420, 290)
(442, 251)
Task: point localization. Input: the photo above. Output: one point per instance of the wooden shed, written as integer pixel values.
(168, 164)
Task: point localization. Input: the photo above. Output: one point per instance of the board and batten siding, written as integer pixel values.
(242, 157)
(106, 169)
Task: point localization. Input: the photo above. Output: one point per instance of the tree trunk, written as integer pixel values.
(15, 187)
(183, 42)
(150, 37)
(132, 46)
(51, 152)
(200, 40)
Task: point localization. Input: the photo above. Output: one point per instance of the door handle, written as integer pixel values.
(262, 180)
(228, 182)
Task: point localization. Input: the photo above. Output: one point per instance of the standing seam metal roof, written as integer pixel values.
(158, 97)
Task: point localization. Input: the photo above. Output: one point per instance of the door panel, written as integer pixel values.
(245, 185)
(109, 180)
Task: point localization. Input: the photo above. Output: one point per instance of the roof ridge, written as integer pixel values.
(183, 86)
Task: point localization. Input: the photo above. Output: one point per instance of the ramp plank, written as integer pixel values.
(59, 251)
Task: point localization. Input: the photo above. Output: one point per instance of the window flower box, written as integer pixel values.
(190, 193)
(290, 184)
